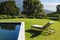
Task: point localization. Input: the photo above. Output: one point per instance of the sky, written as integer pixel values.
(50, 4)
(50, 1)
(19, 4)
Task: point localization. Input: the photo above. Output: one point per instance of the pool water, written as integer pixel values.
(9, 31)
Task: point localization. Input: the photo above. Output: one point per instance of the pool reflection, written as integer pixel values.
(9, 31)
(8, 26)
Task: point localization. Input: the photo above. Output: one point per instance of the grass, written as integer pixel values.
(29, 22)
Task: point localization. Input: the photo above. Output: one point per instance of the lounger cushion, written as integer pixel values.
(37, 26)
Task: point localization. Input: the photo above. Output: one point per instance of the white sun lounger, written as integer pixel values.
(43, 27)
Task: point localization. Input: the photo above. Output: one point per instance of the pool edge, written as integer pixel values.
(21, 35)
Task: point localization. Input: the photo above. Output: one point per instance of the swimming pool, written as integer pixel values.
(10, 31)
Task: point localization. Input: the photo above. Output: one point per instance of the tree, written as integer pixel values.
(33, 8)
(58, 9)
(9, 8)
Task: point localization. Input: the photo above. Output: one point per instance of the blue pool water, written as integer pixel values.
(9, 31)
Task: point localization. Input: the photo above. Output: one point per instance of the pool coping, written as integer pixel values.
(21, 35)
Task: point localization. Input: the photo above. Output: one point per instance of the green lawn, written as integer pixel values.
(29, 22)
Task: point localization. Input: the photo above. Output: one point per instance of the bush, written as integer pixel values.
(39, 17)
(59, 17)
(30, 17)
(54, 18)
(14, 16)
(20, 17)
(3, 16)
(9, 16)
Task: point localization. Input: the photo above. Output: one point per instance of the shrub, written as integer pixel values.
(13, 16)
(30, 17)
(3, 16)
(54, 18)
(39, 17)
(9, 16)
(20, 17)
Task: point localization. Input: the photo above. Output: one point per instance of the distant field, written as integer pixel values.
(29, 22)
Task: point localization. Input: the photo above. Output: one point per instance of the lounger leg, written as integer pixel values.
(52, 31)
(31, 28)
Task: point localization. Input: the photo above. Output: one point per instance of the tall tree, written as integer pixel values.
(58, 9)
(9, 8)
(33, 8)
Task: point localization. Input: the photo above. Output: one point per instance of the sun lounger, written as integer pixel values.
(44, 27)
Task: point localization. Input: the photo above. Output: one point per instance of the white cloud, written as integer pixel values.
(51, 3)
(50, 6)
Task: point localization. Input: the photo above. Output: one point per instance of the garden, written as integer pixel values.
(39, 36)
(33, 13)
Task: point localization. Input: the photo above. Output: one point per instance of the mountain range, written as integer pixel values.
(47, 11)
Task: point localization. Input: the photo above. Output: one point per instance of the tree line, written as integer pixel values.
(31, 9)
(55, 15)
(8, 9)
